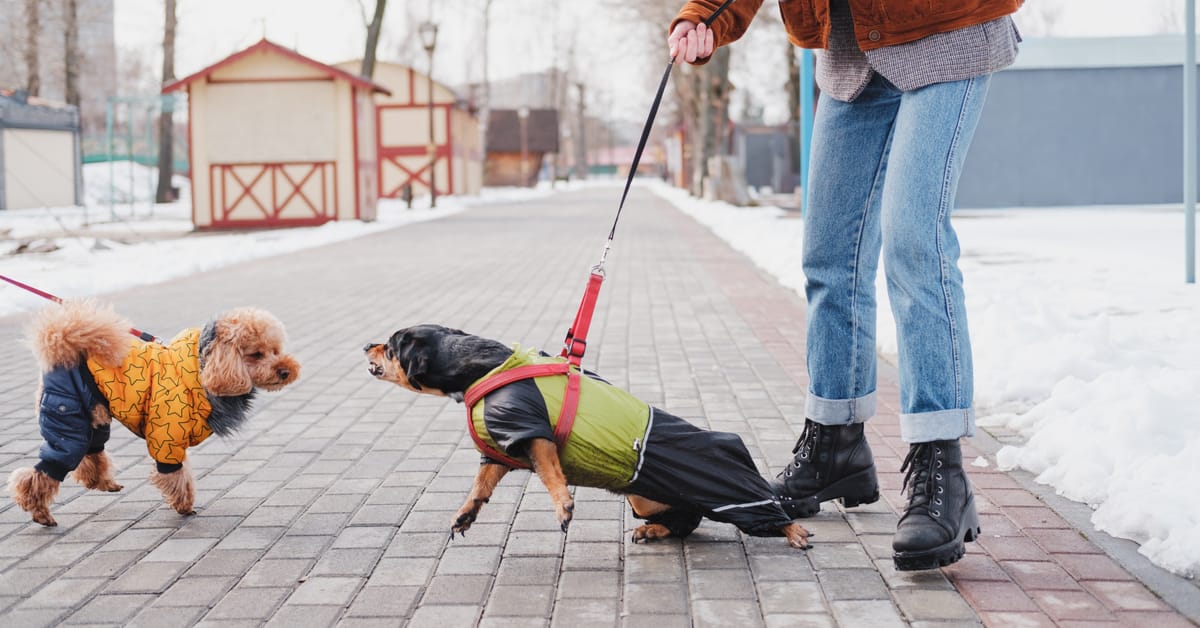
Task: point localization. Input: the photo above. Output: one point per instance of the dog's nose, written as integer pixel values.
(283, 373)
(367, 347)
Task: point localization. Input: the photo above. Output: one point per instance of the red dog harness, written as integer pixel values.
(566, 416)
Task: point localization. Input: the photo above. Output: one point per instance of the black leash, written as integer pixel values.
(637, 156)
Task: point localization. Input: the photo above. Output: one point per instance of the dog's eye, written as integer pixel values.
(257, 355)
(387, 353)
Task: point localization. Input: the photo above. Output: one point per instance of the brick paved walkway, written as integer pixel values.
(333, 506)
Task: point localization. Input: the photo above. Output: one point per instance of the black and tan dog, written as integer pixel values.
(672, 472)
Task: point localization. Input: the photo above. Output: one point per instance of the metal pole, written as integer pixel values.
(108, 131)
(150, 182)
(806, 124)
(129, 146)
(1189, 145)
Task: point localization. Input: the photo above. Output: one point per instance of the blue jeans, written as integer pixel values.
(883, 175)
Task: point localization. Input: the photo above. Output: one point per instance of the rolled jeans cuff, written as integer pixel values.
(839, 411)
(941, 425)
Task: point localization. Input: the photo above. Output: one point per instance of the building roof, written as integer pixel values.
(1050, 53)
(19, 110)
(504, 131)
(265, 45)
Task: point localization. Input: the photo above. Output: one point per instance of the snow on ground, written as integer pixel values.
(1085, 343)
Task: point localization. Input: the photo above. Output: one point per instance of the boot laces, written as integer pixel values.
(922, 478)
(807, 442)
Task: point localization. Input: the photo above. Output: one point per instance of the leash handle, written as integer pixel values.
(141, 335)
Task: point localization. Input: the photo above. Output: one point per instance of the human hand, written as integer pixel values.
(690, 41)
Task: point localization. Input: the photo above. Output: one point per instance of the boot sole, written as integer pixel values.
(942, 555)
(853, 490)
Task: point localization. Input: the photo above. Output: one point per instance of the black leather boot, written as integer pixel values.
(832, 462)
(940, 516)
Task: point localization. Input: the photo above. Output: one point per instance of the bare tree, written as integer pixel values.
(166, 119)
(373, 29)
(1039, 19)
(71, 59)
(33, 77)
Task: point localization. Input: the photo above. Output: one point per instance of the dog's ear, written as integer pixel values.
(411, 349)
(225, 373)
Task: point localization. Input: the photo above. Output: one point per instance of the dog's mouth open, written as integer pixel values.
(374, 366)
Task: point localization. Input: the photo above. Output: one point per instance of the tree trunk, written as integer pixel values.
(166, 122)
(71, 59)
(793, 123)
(712, 115)
(368, 64)
(581, 156)
(33, 28)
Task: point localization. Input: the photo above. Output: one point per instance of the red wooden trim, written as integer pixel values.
(192, 161)
(311, 79)
(272, 216)
(267, 223)
(357, 158)
(449, 152)
(266, 45)
(412, 86)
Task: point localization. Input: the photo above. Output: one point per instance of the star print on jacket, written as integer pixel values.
(156, 393)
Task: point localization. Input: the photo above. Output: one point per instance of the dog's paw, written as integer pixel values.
(796, 535)
(565, 512)
(109, 487)
(45, 519)
(651, 531)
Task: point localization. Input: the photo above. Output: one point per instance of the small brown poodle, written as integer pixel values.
(174, 395)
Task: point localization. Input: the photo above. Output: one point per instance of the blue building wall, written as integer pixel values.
(1053, 136)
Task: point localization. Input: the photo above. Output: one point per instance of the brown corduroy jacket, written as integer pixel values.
(877, 23)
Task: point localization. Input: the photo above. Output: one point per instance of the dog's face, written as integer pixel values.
(247, 353)
(408, 350)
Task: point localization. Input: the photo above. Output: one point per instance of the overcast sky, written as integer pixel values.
(616, 64)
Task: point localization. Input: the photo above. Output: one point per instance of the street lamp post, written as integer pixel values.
(428, 32)
(523, 114)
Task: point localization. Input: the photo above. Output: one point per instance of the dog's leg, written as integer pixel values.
(642, 508)
(34, 492)
(796, 535)
(95, 472)
(481, 491)
(178, 488)
(544, 455)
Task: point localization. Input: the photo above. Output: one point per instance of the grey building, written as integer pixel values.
(1081, 122)
(40, 160)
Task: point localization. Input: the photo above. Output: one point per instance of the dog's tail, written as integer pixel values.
(62, 334)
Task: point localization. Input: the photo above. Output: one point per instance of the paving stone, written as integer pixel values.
(471, 590)
(790, 598)
(719, 613)
(276, 573)
(109, 609)
(62, 594)
(288, 616)
(523, 600)
(655, 598)
(920, 605)
(440, 616)
(146, 577)
(872, 614)
(586, 613)
(347, 562)
(172, 617)
(195, 591)
(248, 603)
(225, 562)
(654, 620)
(385, 601)
(589, 584)
(852, 584)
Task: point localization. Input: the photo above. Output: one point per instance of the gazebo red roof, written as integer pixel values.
(265, 44)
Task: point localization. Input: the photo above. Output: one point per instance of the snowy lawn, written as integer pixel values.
(1085, 342)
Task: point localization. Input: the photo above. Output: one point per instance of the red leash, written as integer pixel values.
(146, 336)
(576, 341)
